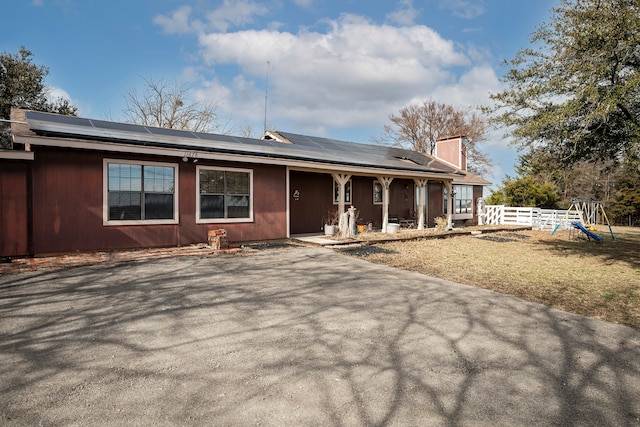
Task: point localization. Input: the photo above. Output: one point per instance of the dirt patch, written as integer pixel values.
(503, 237)
(366, 250)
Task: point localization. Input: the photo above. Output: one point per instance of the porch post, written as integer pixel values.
(386, 182)
(341, 179)
(449, 186)
(421, 183)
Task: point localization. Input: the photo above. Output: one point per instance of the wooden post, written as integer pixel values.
(386, 182)
(341, 179)
(421, 183)
(449, 186)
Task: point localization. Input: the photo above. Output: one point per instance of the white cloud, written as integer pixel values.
(235, 13)
(467, 9)
(472, 87)
(177, 23)
(231, 13)
(406, 14)
(355, 74)
(56, 93)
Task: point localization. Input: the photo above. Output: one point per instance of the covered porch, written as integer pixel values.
(317, 197)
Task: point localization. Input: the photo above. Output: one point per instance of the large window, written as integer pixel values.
(224, 195)
(140, 192)
(463, 199)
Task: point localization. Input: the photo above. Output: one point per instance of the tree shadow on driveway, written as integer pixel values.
(299, 336)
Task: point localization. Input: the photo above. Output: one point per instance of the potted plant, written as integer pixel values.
(331, 222)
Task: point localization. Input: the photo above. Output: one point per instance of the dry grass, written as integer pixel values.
(600, 280)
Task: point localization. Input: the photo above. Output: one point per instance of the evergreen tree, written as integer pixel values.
(22, 86)
(576, 90)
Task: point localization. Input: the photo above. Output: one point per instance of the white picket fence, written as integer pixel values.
(534, 217)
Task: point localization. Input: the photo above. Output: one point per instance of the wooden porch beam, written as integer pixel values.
(421, 183)
(341, 179)
(386, 183)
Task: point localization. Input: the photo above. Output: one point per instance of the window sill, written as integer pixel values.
(224, 221)
(141, 222)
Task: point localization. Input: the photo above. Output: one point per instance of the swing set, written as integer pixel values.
(590, 211)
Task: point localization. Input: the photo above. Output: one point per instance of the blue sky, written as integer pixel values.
(336, 68)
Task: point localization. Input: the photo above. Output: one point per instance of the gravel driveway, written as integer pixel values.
(299, 336)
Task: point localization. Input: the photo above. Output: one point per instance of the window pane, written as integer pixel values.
(237, 183)
(124, 206)
(158, 179)
(377, 192)
(114, 177)
(135, 175)
(158, 206)
(114, 182)
(211, 206)
(123, 177)
(211, 182)
(238, 206)
(169, 183)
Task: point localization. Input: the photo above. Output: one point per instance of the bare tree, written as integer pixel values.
(418, 127)
(167, 105)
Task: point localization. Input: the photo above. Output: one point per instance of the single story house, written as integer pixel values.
(78, 184)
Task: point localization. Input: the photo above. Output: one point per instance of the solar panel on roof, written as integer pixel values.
(170, 132)
(126, 127)
(303, 147)
(215, 137)
(57, 118)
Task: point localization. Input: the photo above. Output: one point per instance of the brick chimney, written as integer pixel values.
(453, 151)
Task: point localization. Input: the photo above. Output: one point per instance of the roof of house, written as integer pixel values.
(287, 146)
(470, 179)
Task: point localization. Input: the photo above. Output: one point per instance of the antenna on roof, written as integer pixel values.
(266, 95)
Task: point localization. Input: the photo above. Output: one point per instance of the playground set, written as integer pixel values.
(590, 213)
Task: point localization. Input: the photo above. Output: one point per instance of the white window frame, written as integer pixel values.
(466, 215)
(223, 220)
(336, 187)
(375, 202)
(105, 194)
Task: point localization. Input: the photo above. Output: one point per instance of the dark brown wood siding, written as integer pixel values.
(68, 211)
(310, 201)
(368, 212)
(402, 198)
(13, 208)
(435, 202)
